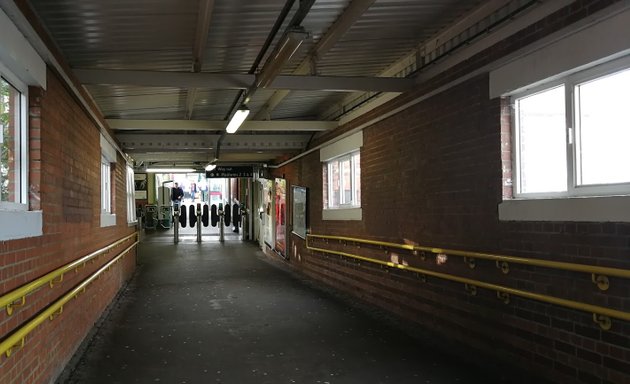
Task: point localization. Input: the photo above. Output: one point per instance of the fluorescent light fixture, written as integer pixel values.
(210, 167)
(171, 170)
(290, 42)
(239, 116)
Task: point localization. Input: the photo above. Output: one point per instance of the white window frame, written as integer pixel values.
(108, 157)
(573, 189)
(131, 196)
(21, 185)
(106, 188)
(575, 80)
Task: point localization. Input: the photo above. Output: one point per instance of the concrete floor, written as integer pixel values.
(224, 313)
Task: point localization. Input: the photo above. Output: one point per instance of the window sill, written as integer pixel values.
(20, 224)
(342, 214)
(595, 209)
(108, 220)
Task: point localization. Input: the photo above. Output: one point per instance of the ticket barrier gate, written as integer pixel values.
(165, 216)
(215, 216)
(150, 216)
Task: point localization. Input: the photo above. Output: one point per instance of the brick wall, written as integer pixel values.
(64, 181)
(434, 175)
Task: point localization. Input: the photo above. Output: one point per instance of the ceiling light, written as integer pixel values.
(237, 119)
(171, 170)
(210, 167)
(291, 41)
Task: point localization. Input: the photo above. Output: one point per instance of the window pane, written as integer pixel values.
(343, 182)
(346, 181)
(105, 186)
(334, 184)
(357, 179)
(542, 142)
(131, 201)
(604, 130)
(9, 142)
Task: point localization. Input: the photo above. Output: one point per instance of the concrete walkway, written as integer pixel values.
(224, 313)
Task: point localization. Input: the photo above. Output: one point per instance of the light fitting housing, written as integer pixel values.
(237, 119)
(210, 167)
(171, 170)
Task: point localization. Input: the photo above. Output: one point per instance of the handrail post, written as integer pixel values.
(198, 222)
(176, 224)
(244, 224)
(221, 225)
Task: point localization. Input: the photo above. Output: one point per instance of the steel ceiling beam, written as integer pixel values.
(165, 79)
(152, 143)
(199, 45)
(241, 81)
(198, 159)
(201, 33)
(343, 83)
(205, 125)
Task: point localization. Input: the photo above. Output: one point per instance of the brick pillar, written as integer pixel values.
(112, 182)
(506, 149)
(36, 95)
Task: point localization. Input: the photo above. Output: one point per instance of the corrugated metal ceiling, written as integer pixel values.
(159, 35)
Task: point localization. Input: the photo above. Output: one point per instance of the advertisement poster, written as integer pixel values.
(280, 218)
(268, 213)
(140, 186)
(299, 211)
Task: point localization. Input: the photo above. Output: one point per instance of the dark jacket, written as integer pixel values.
(177, 194)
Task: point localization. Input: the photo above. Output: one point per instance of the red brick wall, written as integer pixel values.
(65, 185)
(434, 174)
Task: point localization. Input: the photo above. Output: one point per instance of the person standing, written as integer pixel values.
(177, 194)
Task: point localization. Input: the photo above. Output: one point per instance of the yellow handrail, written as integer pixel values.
(593, 269)
(18, 337)
(10, 299)
(364, 241)
(596, 310)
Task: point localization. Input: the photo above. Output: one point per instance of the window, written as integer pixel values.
(12, 146)
(131, 196)
(603, 130)
(341, 178)
(14, 204)
(590, 183)
(20, 67)
(106, 191)
(344, 182)
(571, 137)
(542, 159)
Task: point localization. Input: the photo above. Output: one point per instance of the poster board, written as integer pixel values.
(299, 211)
(268, 215)
(280, 216)
(140, 186)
